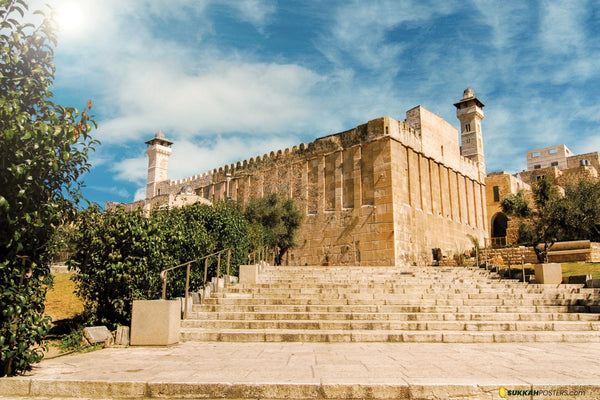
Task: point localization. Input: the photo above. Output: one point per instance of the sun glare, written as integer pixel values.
(70, 18)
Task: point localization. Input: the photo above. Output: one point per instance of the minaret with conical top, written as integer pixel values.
(159, 150)
(469, 111)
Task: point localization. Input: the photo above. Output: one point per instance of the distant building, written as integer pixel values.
(560, 165)
(556, 163)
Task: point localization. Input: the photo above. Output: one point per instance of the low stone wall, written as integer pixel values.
(506, 256)
(560, 252)
(595, 253)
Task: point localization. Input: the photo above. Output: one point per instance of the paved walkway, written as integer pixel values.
(318, 370)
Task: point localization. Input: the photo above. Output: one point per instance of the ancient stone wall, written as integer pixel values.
(383, 193)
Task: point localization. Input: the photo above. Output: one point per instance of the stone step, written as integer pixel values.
(392, 300)
(295, 335)
(320, 308)
(364, 295)
(417, 316)
(396, 325)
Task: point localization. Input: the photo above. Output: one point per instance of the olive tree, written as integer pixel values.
(43, 153)
(541, 220)
(281, 221)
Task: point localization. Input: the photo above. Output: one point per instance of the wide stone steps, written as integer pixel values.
(408, 316)
(396, 325)
(304, 335)
(393, 304)
(391, 300)
(357, 308)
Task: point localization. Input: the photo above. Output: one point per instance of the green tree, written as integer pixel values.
(43, 153)
(118, 255)
(581, 211)
(541, 223)
(281, 221)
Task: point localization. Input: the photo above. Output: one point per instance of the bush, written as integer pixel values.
(43, 153)
(119, 255)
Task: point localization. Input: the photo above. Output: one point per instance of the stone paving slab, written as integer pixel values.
(317, 370)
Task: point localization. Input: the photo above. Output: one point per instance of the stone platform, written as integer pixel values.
(317, 371)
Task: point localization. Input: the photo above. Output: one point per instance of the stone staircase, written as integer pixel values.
(394, 304)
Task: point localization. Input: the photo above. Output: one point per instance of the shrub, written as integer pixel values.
(119, 255)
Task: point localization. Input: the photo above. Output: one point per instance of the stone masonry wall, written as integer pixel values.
(371, 194)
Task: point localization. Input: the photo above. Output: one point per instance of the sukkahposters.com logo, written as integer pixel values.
(541, 392)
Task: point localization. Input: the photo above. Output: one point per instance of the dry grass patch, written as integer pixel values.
(61, 301)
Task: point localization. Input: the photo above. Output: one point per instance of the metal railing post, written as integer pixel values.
(164, 284)
(218, 270)
(228, 264)
(205, 269)
(187, 289)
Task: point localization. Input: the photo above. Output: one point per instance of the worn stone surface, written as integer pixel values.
(316, 370)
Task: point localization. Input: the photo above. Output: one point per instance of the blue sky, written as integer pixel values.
(231, 79)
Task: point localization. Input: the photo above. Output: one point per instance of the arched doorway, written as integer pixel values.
(499, 224)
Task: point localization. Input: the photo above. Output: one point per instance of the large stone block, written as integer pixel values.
(549, 273)
(248, 273)
(155, 322)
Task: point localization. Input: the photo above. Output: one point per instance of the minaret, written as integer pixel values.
(470, 113)
(159, 150)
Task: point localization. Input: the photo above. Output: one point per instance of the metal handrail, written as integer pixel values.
(261, 252)
(164, 273)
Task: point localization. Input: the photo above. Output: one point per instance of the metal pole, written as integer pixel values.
(205, 269)
(187, 289)
(164, 285)
(228, 264)
(218, 270)
(523, 266)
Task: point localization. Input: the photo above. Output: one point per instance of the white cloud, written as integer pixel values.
(133, 170)
(112, 190)
(561, 26)
(256, 12)
(507, 20)
(140, 194)
(227, 97)
(359, 32)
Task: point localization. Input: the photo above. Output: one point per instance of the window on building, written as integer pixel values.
(537, 166)
(467, 127)
(554, 163)
(158, 192)
(553, 151)
(536, 154)
(496, 193)
(540, 177)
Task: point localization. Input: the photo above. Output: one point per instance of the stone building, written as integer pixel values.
(557, 163)
(386, 192)
(503, 229)
(560, 165)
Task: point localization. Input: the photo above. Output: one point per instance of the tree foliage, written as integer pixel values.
(281, 221)
(119, 255)
(541, 220)
(43, 153)
(581, 211)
